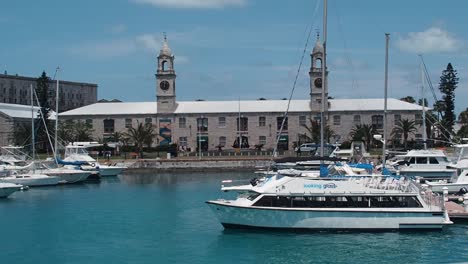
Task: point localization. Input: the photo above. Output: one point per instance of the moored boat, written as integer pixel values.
(6, 189)
(283, 202)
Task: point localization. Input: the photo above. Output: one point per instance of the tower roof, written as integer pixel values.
(318, 48)
(165, 50)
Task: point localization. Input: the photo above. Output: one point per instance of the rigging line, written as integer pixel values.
(349, 61)
(428, 78)
(44, 123)
(295, 82)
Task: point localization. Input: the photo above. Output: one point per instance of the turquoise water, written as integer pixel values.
(149, 218)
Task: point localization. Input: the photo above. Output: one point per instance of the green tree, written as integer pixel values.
(74, 131)
(42, 92)
(463, 117)
(314, 131)
(364, 133)
(140, 136)
(448, 84)
(463, 132)
(21, 133)
(405, 128)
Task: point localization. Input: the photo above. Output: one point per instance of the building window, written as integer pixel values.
(182, 122)
(183, 141)
(128, 122)
(222, 141)
(397, 119)
(242, 124)
(262, 140)
(89, 123)
(302, 120)
(418, 119)
(221, 121)
(109, 126)
(261, 121)
(279, 122)
(336, 120)
(148, 121)
(377, 121)
(202, 124)
(357, 119)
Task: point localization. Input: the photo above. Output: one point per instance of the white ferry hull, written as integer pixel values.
(6, 189)
(248, 217)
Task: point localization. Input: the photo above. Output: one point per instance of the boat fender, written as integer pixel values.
(93, 164)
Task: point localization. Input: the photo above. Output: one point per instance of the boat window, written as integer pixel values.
(421, 160)
(433, 160)
(412, 160)
(339, 201)
(253, 196)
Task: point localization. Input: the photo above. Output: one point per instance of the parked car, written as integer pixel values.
(307, 147)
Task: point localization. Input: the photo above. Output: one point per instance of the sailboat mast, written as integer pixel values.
(324, 77)
(423, 105)
(56, 115)
(387, 39)
(33, 139)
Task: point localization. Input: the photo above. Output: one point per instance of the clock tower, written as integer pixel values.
(316, 78)
(165, 80)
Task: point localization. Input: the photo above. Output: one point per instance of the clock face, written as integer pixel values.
(318, 82)
(164, 85)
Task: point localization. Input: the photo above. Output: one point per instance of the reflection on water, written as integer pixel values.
(152, 217)
(167, 178)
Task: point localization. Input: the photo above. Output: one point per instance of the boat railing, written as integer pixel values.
(434, 201)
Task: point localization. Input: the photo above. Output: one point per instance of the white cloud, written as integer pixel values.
(149, 41)
(193, 3)
(432, 40)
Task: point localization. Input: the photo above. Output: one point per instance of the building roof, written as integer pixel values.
(252, 106)
(21, 111)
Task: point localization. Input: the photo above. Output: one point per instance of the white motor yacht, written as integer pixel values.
(458, 184)
(67, 175)
(31, 179)
(77, 153)
(428, 164)
(283, 202)
(6, 189)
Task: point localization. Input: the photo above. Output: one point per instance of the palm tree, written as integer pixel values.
(314, 131)
(364, 132)
(405, 127)
(140, 136)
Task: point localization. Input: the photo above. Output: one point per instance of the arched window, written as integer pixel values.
(163, 65)
(318, 63)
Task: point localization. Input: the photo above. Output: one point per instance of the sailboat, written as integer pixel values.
(30, 178)
(66, 174)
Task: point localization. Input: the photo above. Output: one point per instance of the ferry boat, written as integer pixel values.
(427, 164)
(284, 202)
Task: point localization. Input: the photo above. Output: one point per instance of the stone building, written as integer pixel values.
(15, 89)
(12, 115)
(214, 124)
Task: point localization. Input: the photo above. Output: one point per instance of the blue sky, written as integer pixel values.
(231, 49)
